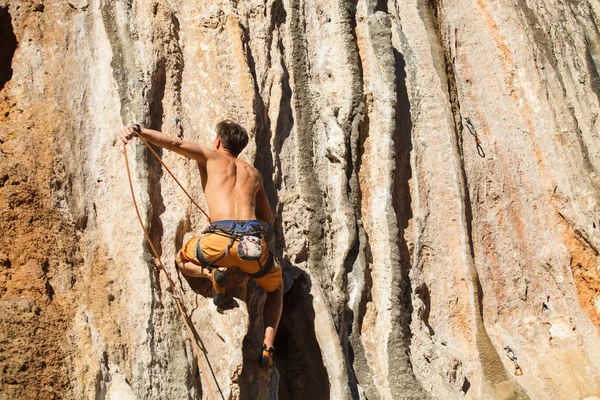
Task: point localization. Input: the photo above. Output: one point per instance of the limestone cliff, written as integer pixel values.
(433, 166)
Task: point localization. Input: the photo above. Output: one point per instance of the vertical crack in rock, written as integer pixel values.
(401, 197)
(352, 128)
(352, 277)
(299, 358)
(8, 45)
(285, 120)
(263, 160)
(402, 381)
(304, 135)
(156, 94)
(125, 71)
(502, 385)
(360, 295)
(389, 358)
(408, 103)
(347, 319)
(163, 97)
(285, 117)
(299, 347)
(358, 280)
(129, 82)
(167, 73)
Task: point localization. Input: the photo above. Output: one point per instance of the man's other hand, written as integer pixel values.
(127, 133)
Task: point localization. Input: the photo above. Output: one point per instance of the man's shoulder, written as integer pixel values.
(250, 169)
(217, 158)
(246, 164)
(222, 159)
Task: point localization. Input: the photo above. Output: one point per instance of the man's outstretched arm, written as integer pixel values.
(186, 149)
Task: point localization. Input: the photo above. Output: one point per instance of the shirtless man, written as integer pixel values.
(239, 208)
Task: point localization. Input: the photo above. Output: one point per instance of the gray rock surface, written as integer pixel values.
(434, 168)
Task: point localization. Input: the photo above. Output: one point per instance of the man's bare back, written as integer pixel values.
(233, 189)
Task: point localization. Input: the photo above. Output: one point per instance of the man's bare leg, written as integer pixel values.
(272, 314)
(190, 269)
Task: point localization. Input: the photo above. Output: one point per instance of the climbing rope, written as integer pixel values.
(174, 290)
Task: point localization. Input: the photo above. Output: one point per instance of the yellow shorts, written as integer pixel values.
(213, 246)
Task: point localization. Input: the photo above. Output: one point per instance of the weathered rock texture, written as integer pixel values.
(416, 247)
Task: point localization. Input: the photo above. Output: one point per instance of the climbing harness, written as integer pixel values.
(249, 234)
(513, 357)
(476, 136)
(174, 290)
(178, 127)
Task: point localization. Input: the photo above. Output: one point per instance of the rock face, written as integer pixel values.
(434, 168)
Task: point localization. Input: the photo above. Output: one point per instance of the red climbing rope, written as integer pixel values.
(162, 267)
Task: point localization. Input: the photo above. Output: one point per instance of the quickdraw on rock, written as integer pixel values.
(178, 127)
(513, 357)
(476, 136)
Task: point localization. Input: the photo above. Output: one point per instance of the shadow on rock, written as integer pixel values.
(299, 372)
(236, 283)
(298, 355)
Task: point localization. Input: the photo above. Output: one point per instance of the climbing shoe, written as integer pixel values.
(220, 296)
(266, 358)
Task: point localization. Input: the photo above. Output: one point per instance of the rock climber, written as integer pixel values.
(241, 213)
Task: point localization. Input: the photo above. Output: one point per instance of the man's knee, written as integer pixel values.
(178, 260)
(184, 265)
